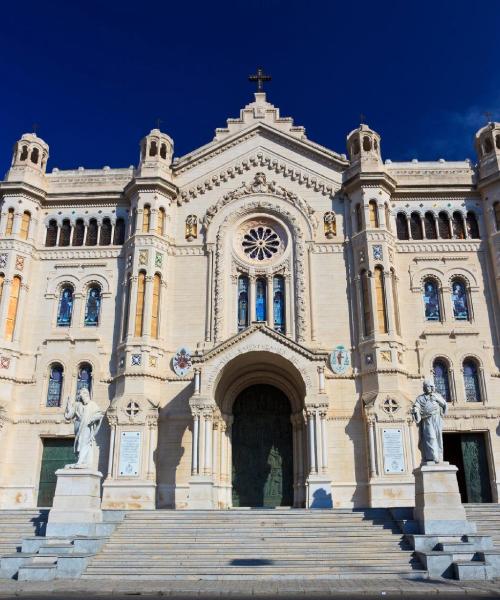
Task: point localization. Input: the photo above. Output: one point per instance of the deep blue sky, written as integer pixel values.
(96, 75)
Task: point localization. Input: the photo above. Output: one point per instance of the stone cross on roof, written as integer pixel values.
(259, 77)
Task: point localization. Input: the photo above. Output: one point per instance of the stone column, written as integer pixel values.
(371, 445)
(324, 442)
(319, 486)
(111, 454)
(389, 302)
(288, 306)
(201, 484)
(132, 306)
(269, 302)
(23, 292)
(153, 443)
(312, 441)
(195, 444)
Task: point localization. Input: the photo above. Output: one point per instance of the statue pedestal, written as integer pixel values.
(77, 503)
(201, 493)
(438, 506)
(319, 492)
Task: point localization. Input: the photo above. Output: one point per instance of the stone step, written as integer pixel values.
(473, 569)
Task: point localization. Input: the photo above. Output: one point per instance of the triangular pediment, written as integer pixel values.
(259, 336)
(262, 120)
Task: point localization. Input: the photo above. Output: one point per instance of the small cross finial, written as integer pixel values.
(158, 122)
(489, 116)
(259, 77)
(35, 128)
(362, 118)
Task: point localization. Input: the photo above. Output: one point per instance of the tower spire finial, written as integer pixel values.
(259, 77)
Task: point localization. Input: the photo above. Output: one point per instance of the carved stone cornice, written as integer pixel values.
(441, 246)
(271, 163)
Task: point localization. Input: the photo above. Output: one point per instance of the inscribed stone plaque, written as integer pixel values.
(130, 453)
(394, 460)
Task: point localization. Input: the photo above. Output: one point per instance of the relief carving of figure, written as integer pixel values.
(428, 411)
(87, 417)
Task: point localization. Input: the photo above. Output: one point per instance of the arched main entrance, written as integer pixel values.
(262, 448)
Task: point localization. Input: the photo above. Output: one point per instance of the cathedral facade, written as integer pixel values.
(255, 319)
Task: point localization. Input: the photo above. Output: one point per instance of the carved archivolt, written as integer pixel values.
(260, 185)
(223, 266)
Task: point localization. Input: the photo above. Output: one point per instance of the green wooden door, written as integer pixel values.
(57, 452)
(262, 448)
(476, 472)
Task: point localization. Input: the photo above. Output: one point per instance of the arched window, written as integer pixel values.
(472, 226)
(279, 303)
(119, 232)
(2, 280)
(146, 218)
(243, 319)
(25, 225)
(359, 218)
(54, 390)
(365, 297)
(105, 236)
(9, 226)
(24, 153)
(93, 306)
(163, 151)
(387, 217)
(367, 144)
(261, 299)
(402, 227)
(51, 237)
(441, 378)
(471, 381)
(92, 233)
(155, 313)
(79, 233)
(153, 148)
(432, 307)
(65, 308)
(395, 302)
(497, 141)
(416, 226)
(84, 377)
(430, 226)
(133, 222)
(381, 300)
(139, 309)
(458, 225)
(160, 223)
(496, 209)
(65, 234)
(34, 155)
(488, 145)
(126, 306)
(459, 300)
(10, 322)
(373, 214)
(444, 226)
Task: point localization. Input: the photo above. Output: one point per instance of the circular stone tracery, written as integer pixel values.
(260, 243)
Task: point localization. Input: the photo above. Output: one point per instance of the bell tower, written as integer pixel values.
(157, 150)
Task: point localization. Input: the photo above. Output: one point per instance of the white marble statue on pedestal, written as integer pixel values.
(87, 417)
(428, 411)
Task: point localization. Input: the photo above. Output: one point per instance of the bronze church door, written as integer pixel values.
(262, 448)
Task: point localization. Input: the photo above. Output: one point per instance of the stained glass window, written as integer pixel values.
(431, 301)
(242, 302)
(260, 299)
(459, 300)
(279, 303)
(93, 306)
(471, 381)
(54, 390)
(441, 379)
(65, 309)
(84, 377)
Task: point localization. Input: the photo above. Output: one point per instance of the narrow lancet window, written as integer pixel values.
(65, 309)
(10, 322)
(260, 299)
(155, 313)
(432, 309)
(471, 381)
(84, 377)
(442, 379)
(279, 303)
(54, 390)
(381, 300)
(242, 302)
(93, 306)
(459, 300)
(139, 311)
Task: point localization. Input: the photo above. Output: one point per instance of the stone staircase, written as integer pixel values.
(255, 544)
(15, 525)
(487, 519)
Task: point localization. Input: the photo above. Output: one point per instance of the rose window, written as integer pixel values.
(260, 243)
